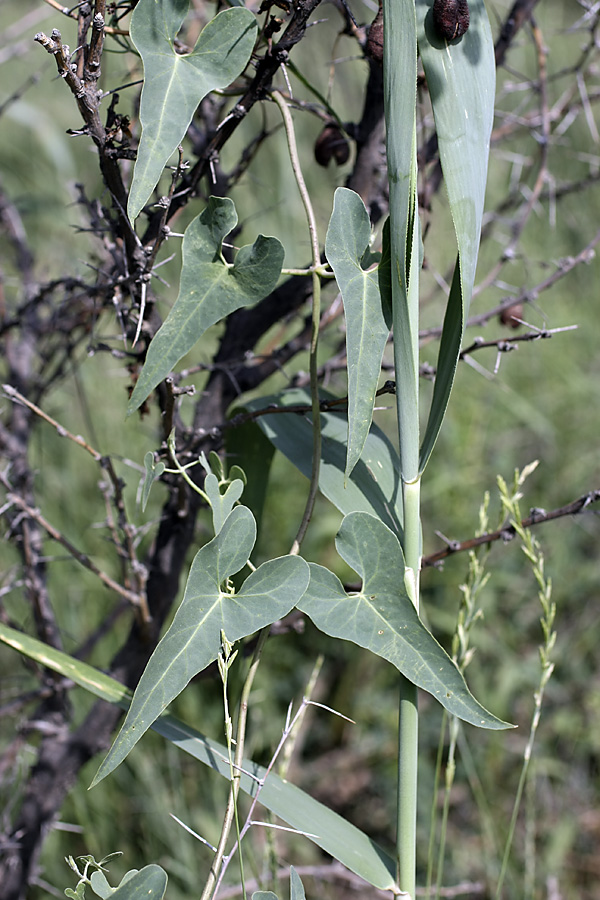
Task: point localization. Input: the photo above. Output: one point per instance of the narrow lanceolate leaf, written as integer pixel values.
(209, 608)
(150, 883)
(368, 313)
(327, 829)
(209, 290)
(400, 87)
(382, 618)
(174, 83)
(461, 77)
(336, 836)
(374, 485)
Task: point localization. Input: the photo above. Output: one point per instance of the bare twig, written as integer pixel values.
(537, 517)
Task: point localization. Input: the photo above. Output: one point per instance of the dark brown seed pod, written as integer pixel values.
(512, 316)
(451, 18)
(332, 144)
(374, 45)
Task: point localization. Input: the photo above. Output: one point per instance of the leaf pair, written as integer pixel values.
(210, 607)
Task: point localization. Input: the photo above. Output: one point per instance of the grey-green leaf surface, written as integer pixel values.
(175, 83)
(400, 86)
(209, 289)
(461, 77)
(374, 485)
(368, 313)
(209, 607)
(299, 810)
(382, 618)
(296, 887)
(150, 883)
(222, 503)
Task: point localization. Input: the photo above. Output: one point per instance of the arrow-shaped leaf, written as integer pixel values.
(174, 84)
(381, 617)
(222, 503)
(209, 289)
(208, 608)
(368, 313)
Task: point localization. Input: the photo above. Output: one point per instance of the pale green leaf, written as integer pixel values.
(374, 485)
(150, 883)
(209, 607)
(299, 810)
(461, 77)
(368, 313)
(174, 83)
(222, 503)
(209, 290)
(100, 885)
(381, 617)
(296, 886)
(400, 86)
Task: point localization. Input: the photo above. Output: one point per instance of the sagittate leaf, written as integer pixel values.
(381, 617)
(209, 289)
(209, 607)
(461, 77)
(150, 883)
(327, 829)
(368, 313)
(222, 503)
(374, 485)
(175, 83)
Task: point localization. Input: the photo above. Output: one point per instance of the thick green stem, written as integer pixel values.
(400, 78)
(408, 732)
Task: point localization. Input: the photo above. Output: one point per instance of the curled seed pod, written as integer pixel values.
(374, 45)
(332, 144)
(451, 18)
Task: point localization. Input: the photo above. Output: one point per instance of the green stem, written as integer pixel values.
(406, 841)
(399, 73)
(316, 318)
(230, 812)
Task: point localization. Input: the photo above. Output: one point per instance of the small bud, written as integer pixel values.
(332, 144)
(451, 18)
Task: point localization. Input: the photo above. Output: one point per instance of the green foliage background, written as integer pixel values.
(543, 404)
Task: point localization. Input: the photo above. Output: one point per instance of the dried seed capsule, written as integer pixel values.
(451, 18)
(332, 144)
(512, 316)
(374, 46)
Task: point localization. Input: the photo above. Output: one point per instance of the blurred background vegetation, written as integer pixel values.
(541, 404)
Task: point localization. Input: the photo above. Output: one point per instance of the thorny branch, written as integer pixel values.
(507, 533)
